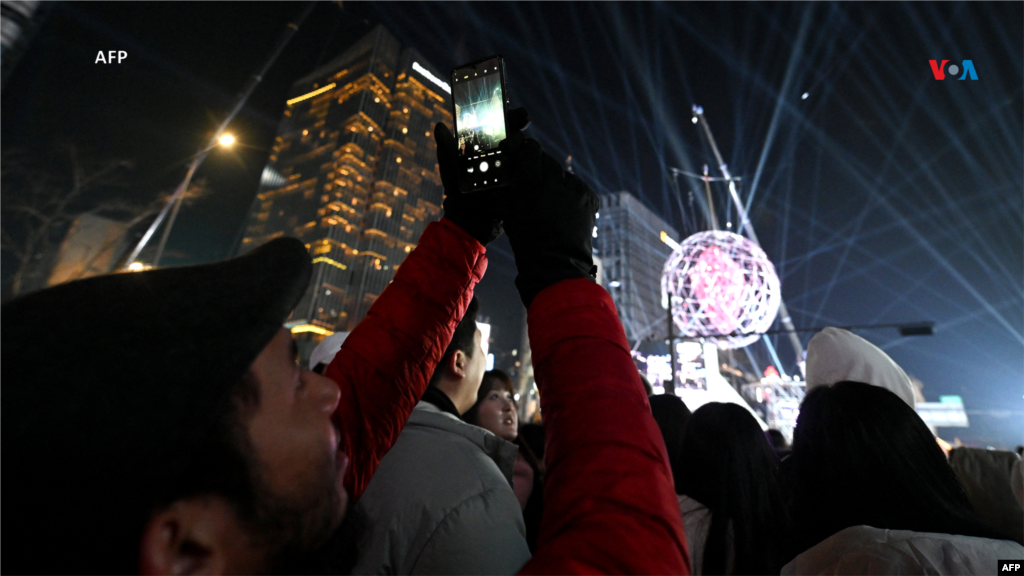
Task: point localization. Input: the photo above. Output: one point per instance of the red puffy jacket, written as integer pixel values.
(610, 504)
(386, 363)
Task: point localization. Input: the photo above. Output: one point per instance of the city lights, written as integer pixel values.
(309, 95)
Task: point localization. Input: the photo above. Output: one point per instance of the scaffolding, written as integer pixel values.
(628, 242)
(778, 402)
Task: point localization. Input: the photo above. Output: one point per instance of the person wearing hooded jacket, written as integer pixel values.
(835, 355)
(872, 493)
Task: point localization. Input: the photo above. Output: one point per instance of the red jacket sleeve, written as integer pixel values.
(609, 502)
(386, 363)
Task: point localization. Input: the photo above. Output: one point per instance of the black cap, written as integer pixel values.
(107, 381)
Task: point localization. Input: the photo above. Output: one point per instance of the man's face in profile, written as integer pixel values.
(294, 443)
(289, 518)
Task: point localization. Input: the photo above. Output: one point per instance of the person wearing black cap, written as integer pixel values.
(159, 421)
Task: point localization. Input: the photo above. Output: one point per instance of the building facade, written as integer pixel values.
(632, 257)
(353, 174)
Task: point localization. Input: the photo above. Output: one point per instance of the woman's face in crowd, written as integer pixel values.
(498, 413)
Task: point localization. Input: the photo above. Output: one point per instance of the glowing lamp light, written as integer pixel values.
(227, 140)
(136, 267)
(723, 288)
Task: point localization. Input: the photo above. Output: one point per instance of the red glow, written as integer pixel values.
(718, 283)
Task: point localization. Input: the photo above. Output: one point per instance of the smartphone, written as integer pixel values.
(479, 106)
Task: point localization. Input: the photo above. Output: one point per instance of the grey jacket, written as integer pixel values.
(873, 551)
(441, 502)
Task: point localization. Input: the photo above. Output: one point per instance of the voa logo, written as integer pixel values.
(939, 70)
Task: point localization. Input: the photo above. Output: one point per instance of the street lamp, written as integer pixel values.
(225, 141)
(243, 97)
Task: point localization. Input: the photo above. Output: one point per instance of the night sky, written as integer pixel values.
(884, 196)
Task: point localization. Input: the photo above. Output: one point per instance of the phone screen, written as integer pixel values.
(479, 107)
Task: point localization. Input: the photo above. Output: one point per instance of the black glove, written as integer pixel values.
(478, 213)
(549, 217)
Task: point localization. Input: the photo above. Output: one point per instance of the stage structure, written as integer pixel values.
(722, 288)
(748, 227)
(777, 400)
(719, 287)
(631, 257)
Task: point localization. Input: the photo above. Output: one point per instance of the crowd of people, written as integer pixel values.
(159, 422)
(865, 487)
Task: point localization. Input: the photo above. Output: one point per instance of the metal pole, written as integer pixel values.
(671, 352)
(785, 320)
(711, 202)
(183, 187)
(243, 97)
(167, 231)
(673, 172)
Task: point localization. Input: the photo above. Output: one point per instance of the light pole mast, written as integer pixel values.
(746, 226)
(243, 97)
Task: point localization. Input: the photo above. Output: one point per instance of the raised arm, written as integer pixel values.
(609, 499)
(385, 364)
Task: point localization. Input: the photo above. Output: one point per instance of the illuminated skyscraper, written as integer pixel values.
(353, 174)
(632, 255)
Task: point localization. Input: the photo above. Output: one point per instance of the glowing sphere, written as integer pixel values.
(723, 288)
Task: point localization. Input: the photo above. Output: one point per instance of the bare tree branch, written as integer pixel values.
(37, 206)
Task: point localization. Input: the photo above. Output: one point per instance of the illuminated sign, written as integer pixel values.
(945, 413)
(429, 76)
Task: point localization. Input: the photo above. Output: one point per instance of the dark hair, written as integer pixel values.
(493, 379)
(778, 442)
(861, 455)
(462, 339)
(499, 379)
(777, 439)
(671, 414)
(729, 467)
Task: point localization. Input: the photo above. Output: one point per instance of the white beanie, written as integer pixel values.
(835, 355)
(325, 351)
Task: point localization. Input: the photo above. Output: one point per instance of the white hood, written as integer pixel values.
(834, 355)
